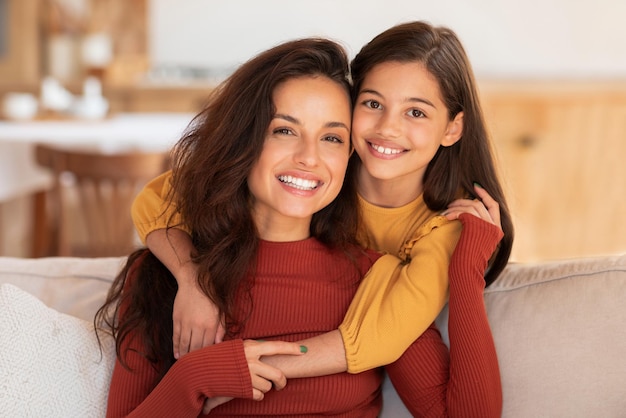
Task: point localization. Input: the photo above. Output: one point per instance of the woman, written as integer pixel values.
(276, 137)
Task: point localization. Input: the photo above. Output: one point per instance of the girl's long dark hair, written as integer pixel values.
(470, 159)
(210, 164)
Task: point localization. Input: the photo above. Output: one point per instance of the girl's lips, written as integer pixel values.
(386, 151)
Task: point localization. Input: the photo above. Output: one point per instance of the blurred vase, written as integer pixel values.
(96, 53)
(63, 57)
(19, 106)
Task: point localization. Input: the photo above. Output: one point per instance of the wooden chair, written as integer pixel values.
(87, 212)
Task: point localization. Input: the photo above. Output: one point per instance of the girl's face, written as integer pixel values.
(399, 123)
(302, 166)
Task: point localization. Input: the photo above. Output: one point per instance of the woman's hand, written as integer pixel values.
(197, 322)
(483, 207)
(264, 377)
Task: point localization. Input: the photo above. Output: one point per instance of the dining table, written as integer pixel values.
(21, 176)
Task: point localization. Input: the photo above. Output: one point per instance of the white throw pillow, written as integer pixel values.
(50, 363)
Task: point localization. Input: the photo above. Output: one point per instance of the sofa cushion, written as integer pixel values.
(559, 332)
(51, 363)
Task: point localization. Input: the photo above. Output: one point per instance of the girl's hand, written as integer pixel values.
(196, 320)
(483, 207)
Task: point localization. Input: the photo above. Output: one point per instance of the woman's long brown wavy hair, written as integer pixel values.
(470, 159)
(210, 166)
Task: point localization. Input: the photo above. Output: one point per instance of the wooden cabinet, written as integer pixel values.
(19, 42)
(561, 150)
(154, 98)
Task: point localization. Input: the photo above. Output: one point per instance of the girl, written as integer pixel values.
(421, 145)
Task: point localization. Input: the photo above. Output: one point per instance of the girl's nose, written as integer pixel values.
(388, 125)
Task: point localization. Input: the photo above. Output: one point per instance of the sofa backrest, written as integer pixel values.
(559, 329)
(76, 286)
(558, 326)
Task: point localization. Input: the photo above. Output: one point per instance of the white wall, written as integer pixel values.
(504, 38)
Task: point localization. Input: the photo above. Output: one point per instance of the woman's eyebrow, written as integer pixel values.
(296, 121)
(337, 125)
(287, 118)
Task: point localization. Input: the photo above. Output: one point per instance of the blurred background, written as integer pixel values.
(115, 77)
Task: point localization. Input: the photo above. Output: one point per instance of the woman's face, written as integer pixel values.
(302, 166)
(400, 120)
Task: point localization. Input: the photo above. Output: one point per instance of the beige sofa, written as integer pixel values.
(559, 328)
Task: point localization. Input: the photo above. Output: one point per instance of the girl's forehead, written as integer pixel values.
(398, 77)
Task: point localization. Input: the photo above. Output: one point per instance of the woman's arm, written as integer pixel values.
(185, 386)
(390, 303)
(230, 369)
(376, 330)
(465, 383)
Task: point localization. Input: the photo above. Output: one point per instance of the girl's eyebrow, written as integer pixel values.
(296, 121)
(408, 99)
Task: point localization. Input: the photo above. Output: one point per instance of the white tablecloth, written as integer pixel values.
(19, 173)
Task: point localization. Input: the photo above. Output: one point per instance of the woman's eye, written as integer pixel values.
(282, 131)
(372, 104)
(332, 138)
(416, 113)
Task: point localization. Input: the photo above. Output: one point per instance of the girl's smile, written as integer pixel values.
(399, 123)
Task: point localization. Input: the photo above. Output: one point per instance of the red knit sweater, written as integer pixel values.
(301, 289)
(464, 382)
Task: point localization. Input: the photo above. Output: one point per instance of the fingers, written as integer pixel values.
(195, 321)
(272, 348)
(265, 377)
(219, 335)
(176, 340)
(210, 403)
(191, 337)
(484, 207)
(182, 338)
(492, 206)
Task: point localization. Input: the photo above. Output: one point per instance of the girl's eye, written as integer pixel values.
(372, 104)
(332, 138)
(416, 113)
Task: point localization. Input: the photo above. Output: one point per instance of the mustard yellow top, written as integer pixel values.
(405, 289)
(150, 210)
(399, 297)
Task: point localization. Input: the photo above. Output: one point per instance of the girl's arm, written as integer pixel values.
(196, 319)
(395, 328)
(394, 305)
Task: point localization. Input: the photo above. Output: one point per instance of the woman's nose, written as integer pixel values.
(308, 153)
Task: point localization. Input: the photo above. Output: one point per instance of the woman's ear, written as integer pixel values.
(454, 131)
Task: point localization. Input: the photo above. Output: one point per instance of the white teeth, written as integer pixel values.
(384, 150)
(299, 183)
